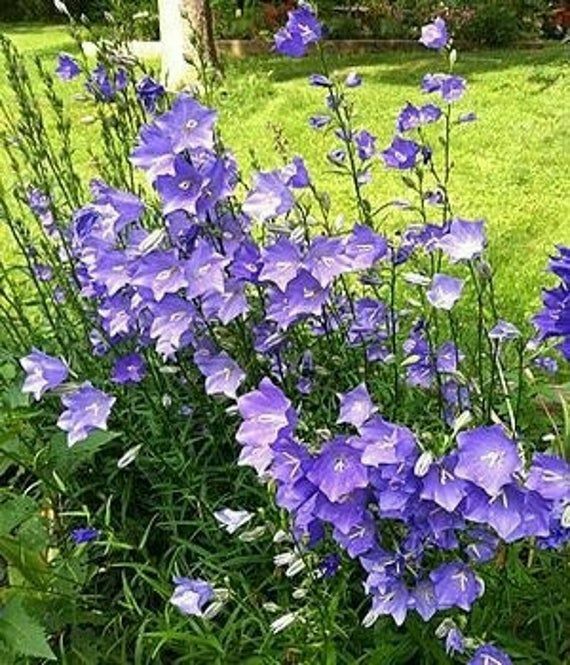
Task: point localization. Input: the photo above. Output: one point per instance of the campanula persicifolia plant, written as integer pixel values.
(389, 412)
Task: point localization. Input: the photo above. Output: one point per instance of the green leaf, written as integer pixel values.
(21, 633)
(31, 564)
(65, 458)
(15, 509)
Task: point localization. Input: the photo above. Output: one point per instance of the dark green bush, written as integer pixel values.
(499, 22)
(495, 23)
(44, 10)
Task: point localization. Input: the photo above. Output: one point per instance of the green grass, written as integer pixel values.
(511, 167)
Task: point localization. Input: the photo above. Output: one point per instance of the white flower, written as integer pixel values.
(129, 457)
(232, 520)
(283, 622)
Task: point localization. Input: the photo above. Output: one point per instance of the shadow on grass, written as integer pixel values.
(401, 67)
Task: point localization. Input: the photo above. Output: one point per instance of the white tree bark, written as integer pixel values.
(175, 34)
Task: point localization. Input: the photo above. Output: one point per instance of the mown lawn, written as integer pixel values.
(511, 166)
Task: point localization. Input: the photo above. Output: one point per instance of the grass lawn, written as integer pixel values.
(512, 165)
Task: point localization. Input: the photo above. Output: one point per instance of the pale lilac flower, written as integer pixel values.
(504, 331)
(442, 487)
(320, 81)
(266, 412)
(464, 241)
(281, 262)
(223, 375)
(412, 116)
(364, 248)
(149, 92)
(448, 356)
(295, 174)
(303, 297)
(319, 121)
(181, 189)
(489, 655)
(87, 409)
(444, 292)
(300, 32)
(154, 152)
(391, 599)
(231, 520)
(435, 35)
(549, 475)
(172, 319)
(402, 154)
(365, 144)
(161, 272)
(325, 259)
(269, 197)
(205, 270)
(454, 641)
(189, 124)
(43, 373)
(353, 80)
(383, 443)
(450, 87)
(455, 585)
(191, 596)
(356, 407)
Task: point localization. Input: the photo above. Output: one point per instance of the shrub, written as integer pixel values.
(397, 429)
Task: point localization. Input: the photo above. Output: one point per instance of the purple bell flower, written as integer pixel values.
(129, 369)
(435, 35)
(356, 407)
(300, 32)
(487, 458)
(149, 92)
(84, 534)
(43, 373)
(464, 241)
(87, 409)
(455, 585)
(402, 154)
(490, 655)
(449, 87)
(191, 596)
(444, 292)
(268, 198)
(67, 67)
(223, 374)
(337, 470)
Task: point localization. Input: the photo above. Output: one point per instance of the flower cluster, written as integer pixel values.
(408, 517)
(554, 319)
(104, 83)
(234, 288)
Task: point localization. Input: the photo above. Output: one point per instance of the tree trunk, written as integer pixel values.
(187, 39)
(199, 15)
